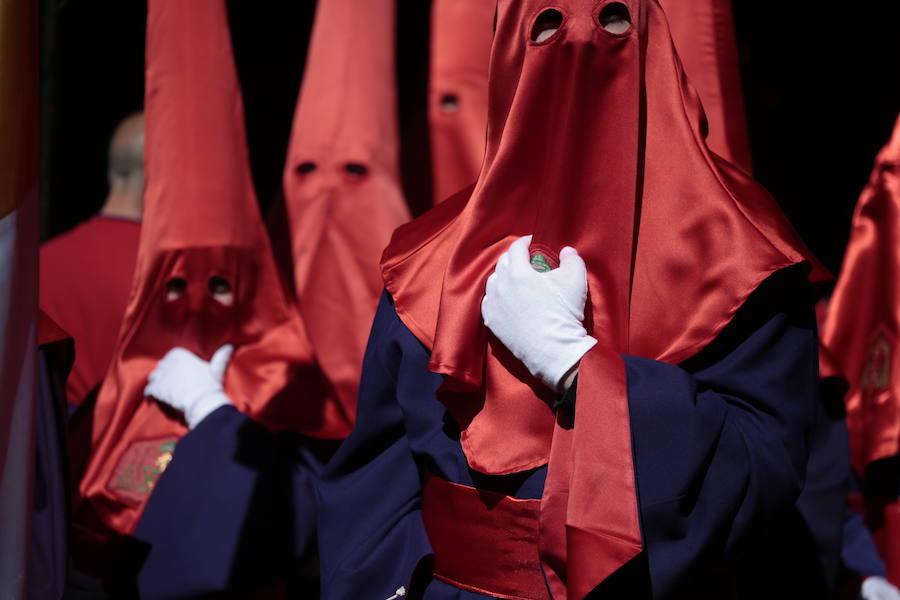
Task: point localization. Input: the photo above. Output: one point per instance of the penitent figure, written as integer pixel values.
(595, 372)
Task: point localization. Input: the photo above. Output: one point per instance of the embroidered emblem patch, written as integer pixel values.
(876, 371)
(140, 467)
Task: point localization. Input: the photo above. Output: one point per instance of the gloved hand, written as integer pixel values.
(538, 316)
(188, 383)
(878, 588)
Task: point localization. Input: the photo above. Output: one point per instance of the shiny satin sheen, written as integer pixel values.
(483, 541)
(461, 34)
(863, 322)
(595, 140)
(342, 184)
(201, 220)
(703, 32)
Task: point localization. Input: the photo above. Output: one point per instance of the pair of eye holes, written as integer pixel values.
(218, 287)
(614, 18)
(355, 170)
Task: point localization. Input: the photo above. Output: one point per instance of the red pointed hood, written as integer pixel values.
(341, 181)
(703, 32)
(862, 328)
(461, 35)
(202, 233)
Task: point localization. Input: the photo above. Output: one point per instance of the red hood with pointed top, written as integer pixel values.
(341, 182)
(201, 228)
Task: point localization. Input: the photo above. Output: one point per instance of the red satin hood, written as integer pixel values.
(201, 226)
(596, 141)
(703, 32)
(863, 322)
(341, 182)
(461, 33)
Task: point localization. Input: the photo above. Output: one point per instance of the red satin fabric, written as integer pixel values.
(863, 319)
(483, 541)
(590, 484)
(341, 183)
(201, 220)
(594, 140)
(703, 32)
(461, 33)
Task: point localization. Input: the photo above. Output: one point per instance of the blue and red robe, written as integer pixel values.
(721, 445)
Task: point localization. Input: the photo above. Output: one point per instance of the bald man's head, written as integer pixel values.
(125, 169)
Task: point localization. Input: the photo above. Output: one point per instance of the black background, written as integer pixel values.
(821, 83)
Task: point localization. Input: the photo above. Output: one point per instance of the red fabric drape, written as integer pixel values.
(201, 222)
(461, 34)
(341, 183)
(703, 32)
(595, 140)
(863, 321)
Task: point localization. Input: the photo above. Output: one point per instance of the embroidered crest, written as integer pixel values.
(876, 371)
(140, 467)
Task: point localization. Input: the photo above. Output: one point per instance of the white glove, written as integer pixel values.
(188, 383)
(878, 588)
(538, 316)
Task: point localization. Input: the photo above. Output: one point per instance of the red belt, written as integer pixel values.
(483, 541)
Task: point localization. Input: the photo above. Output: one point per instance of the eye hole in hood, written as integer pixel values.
(449, 103)
(175, 288)
(546, 25)
(221, 290)
(306, 167)
(615, 18)
(356, 170)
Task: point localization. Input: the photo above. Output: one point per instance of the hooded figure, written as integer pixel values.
(683, 309)
(461, 32)
(342, 183)
(205, 282)
(860, 335)
(250, 518)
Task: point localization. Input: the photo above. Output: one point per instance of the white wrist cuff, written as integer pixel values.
(560, 363)
(203, 406)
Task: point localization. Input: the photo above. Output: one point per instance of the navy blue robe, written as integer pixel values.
(720, 449)
(235, 511)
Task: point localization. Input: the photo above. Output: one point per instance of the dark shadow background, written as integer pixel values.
(821, 83)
